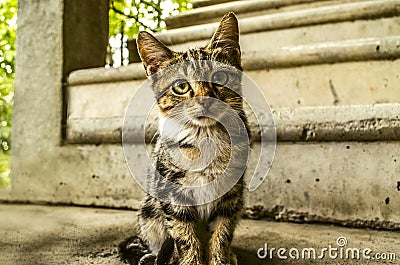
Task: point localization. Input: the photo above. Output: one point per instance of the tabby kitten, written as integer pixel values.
(178, 231)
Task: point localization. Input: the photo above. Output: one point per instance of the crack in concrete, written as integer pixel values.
(334, 93)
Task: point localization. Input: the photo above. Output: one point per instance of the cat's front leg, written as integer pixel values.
(183, 230)
(219, 248)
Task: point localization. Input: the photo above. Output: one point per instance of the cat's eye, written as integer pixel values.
(181, 87)
(220, 78)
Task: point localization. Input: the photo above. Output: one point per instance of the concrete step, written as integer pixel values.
(310, 16)
(349, 183)
(203, 3)
(379, 122)
(266, 32)
(290, 77)
(270, 41)
(243, 9)
(33, 234)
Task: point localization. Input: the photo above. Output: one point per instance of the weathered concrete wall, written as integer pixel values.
(349, 183)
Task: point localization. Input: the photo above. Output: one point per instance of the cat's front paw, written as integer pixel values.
(132, 250)
(148, 259)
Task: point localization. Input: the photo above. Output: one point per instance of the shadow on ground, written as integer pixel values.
(47, 235)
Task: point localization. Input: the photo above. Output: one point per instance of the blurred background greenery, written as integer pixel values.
(127, 18)
(8, 26)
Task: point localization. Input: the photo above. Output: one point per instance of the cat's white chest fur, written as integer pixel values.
(212, 164)
(203, 153)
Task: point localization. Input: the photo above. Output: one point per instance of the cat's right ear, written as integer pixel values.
(152, 52)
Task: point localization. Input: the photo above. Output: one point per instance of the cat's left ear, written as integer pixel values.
(227, 35)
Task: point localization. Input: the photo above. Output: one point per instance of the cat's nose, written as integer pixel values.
(204, 102)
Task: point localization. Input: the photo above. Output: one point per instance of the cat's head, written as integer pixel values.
(196, 79)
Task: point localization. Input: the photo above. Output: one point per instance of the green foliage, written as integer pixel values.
(8, 15)
(135, 15)
(128, 17)
(5, 177)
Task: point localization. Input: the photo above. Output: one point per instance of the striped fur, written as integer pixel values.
(201, 234)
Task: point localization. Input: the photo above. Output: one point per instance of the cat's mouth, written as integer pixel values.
(203, 116)
(204, 121)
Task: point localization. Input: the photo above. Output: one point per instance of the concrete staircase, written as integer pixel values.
(244, 9)
(331, 72)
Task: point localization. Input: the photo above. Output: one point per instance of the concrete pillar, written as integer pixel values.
(54, 37)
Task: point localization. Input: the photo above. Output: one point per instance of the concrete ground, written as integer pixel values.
(35, 234)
